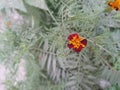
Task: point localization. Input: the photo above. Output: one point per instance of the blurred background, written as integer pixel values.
(33, 45)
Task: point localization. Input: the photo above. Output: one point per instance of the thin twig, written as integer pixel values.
(53, 17)
(106, 51)
(101, 47)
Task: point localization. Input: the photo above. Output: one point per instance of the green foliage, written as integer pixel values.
(41, 42)
(114, 87)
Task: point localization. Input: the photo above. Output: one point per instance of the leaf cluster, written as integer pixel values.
(42, 42)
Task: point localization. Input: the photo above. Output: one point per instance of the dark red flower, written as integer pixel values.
(76, 42)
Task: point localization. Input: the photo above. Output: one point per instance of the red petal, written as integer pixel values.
(84, 42)
(69, 46)
(72, 35)
(78, 49)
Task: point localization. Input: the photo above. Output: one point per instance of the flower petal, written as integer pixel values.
(78, 49)
(84, 42)
(69, 46)
(115, 5)
(72, 35)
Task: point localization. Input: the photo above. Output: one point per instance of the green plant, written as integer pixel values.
(41, 40)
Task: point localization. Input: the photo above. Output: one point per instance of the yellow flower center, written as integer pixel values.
(76, 42)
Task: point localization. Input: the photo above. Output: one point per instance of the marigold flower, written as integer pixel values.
(114, 4)
(76, 42)
(8, 23)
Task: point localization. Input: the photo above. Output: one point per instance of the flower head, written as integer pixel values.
(9, 23)
(114, 4)
(76, 42)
